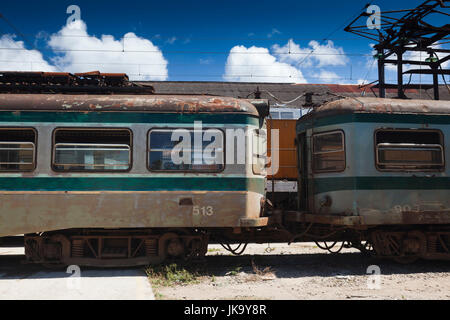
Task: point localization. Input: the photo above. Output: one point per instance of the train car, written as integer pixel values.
(378, 168)
(89, 179)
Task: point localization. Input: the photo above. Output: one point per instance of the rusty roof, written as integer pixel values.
(322, 93)
(380, 105)
(129, 103)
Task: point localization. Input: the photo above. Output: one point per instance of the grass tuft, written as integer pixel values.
(168, 275)
(261, 272)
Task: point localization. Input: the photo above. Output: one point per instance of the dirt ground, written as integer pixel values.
(303, 271)
(296, 272)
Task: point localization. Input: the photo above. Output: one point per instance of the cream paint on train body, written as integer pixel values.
(23, 212)
(29, 212)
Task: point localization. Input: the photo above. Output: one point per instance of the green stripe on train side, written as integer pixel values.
(132, 184)
(125, 117)
(322, 185)
(373, 117)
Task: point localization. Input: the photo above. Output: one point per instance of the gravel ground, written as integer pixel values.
(296, 272)
(303, 271)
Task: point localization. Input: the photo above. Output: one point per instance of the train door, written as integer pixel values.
(302, 172)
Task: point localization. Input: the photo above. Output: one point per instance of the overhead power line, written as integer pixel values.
(187, 51)
(327, 37)
(21, 35)
(162, 39)
(142, 64)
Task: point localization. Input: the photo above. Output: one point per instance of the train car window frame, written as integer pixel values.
(409, 167)
(275, 115)
(171, 129)
(256, 135)
(130, 149)
(314, 153)
(34, 144)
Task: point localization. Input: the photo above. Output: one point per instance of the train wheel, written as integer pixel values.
(414, 246)
(184, 245)
(175, 248)
(401, 246)
(197, 248)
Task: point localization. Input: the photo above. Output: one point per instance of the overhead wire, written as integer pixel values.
(182, 51)
(329, 35)
(9, 23)
(281, 101)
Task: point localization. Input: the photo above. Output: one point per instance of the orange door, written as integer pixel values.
(287, 150)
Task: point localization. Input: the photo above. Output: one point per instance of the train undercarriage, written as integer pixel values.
(114, 248)
(124, 247)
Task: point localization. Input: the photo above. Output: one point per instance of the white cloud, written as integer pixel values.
(324, 76)
(273, 32)
(171, 40)
(21, 59)
(422, 56)
(321, 54)
(80, 52)
(205, 61)
(283, 63)
(361, 81)
(256, 64)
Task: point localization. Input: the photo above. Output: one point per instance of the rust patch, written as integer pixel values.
(442, 217)
(156, 103)
(379, 105)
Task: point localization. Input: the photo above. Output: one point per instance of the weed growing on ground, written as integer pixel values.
(168, 275)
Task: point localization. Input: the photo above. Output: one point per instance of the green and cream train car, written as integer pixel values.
(90, 179)
(380, 166)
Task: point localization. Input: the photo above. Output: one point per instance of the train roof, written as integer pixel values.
(129, 103)
(379, 105)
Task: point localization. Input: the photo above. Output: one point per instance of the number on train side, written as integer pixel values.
(203, 210)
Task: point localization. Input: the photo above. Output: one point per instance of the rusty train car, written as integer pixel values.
(89, 179)
(378, 169)
(372, 174)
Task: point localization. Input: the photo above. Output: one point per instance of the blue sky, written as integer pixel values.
(192, 40)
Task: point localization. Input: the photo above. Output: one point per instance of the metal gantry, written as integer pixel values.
(399, 32)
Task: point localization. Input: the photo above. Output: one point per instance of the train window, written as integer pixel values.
(275, 114)
(329, 152)
(92, 150)
(177, 150)
(287, 115)
(17, 149)
(259, 146)
(404, 150)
